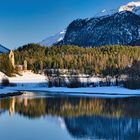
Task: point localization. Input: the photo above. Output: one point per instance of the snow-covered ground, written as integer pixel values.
(38, 83)
(27, 77)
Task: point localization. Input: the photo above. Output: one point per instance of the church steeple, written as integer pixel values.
(12, 58)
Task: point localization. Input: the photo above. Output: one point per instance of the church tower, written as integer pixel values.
(12, 58)
(25, 66)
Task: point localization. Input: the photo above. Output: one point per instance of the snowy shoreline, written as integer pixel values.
(110, 92)
(38, 83)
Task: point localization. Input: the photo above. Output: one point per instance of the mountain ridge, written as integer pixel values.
(105, 28)
(121, 28)
(49, 41)
(3, 49)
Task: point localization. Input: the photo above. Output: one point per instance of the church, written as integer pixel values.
(21, 68)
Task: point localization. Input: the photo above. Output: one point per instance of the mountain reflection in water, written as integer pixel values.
(85, 118)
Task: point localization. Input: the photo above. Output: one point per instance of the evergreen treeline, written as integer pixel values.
(107, 60)
(5, 65)
(103, 61)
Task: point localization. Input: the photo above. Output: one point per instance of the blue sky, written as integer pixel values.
(26, 21)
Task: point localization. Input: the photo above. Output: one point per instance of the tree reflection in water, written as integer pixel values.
(84, 117)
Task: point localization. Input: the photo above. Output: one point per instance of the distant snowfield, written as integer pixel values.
(38, 83)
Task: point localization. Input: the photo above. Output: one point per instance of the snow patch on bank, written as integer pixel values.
(26, 80)
(26, 77)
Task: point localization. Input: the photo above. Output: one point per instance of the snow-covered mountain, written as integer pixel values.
(131, 6)
(3, 49)
(105, 13)
(119, 26)
(53, 39)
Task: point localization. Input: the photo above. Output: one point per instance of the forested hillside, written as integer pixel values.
(99, 61)
(106, 60)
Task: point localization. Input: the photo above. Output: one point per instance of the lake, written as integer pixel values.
(38, 116)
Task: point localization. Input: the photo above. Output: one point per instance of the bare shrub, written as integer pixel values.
(5, 82)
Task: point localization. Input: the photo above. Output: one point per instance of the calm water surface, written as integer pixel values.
(35, 117)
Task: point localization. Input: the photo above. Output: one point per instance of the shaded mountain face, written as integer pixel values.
(108, 27)
(3, 49)
(122, 28)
